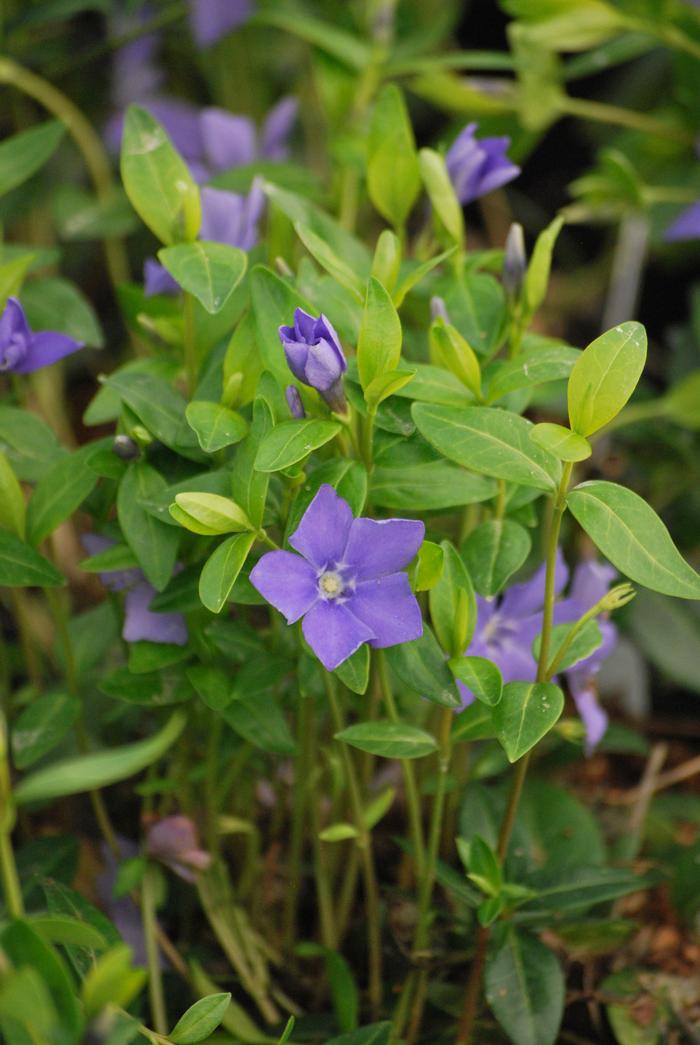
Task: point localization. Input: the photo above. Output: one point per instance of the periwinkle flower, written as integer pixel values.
(315, 357)
(212, 19)
(141, 623)
(21, 350)
(686, 226)
(506, 629)
(346, 580)
(174, 841)
(296, 407)
(478, 165)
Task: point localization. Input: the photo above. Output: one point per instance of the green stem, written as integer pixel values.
(367, 439)
(409, 775)
(155, 980)
(302, 770)
(601, 112)
(87, 141)
(189, 347)
(473, 991)
(364, 844)
(8, 869)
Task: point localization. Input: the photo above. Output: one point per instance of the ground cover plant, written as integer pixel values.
(349, 513)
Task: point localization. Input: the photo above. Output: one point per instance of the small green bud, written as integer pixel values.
(617, 597)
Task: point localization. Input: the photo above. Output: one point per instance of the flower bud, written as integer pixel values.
(315, 357)
(125, 447)
(515, 262)
(616, 598)
(296, 407)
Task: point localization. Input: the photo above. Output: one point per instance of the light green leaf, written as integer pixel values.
(339, 832)
(157, 180)
(532, 367)
(292, 441)
(586, 642)
(442, 195)
(25, 153)
(631, 535)
(449, 350)
(218, 514)
(387, 384)
(334, 265)
(249, 486)
(605, 376)
(493, 552)
(393, 177)
(389, 739)
(428, 567)
(524, 714)
(537, 276)
(386, 262)
(12, 275)
(215, 426)
(561, 442)
(379, 343)
(221, 570)
(200, 1020)
(22, 567)
(453, 604)
(479, 675)
(12, 507)
(88, 772)
(209, 271)
(494, 442)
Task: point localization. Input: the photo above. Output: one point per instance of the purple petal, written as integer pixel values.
(686, 225)
(157, 279)
(438, 309)
(593, 716)
(590, 582)
(181, 122)
(13, 323)
(212, 19)
(323, 532)
(389, 608)
(304, 325)
(379, 547)
(277, 127)
(45, 348)
(523, 599)
(296, 353)
(142, 625)
(113, 580)
(288, 583)
(228, 140)
(230, 218)
(334, 633)
(296, 407)
(323, 367)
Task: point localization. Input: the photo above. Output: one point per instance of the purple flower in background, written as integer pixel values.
(506, 629)
(21, 351)
(174, 841)
(296, 407)
(438, 309)
(345, 582)
(477, 166)
(686, 225)
(314, 356)
(212, 19)
(135, 73)
(227, 217)
(141, 623)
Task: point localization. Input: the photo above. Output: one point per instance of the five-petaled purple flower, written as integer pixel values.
(212, 19)
(478, 165)
(141, 623)
(506, 629)
(315, 357)
(227, 217)
(22, 351)
(346, 582)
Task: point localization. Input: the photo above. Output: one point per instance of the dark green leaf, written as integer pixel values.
(25, 153)
(41, 726)
(421, 666)
(200, 1020)
(221, 570)
(493, 552)
(22, 567)
(154, 544)
(389, 739)
(525, 988)
(60, 491)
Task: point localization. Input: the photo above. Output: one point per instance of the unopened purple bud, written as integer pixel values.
(294, 402)
(514, 262)
(438, 309)
(315, 357)
(175, 841)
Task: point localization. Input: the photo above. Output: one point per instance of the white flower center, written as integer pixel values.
(330, 584)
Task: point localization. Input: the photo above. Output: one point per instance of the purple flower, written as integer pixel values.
(506, 629)
(135, 73)
(174, 841)
(686, 225)
(314, 355)
(157, 279)
(21, 351)
(212, 19)
(477, 166)
(345, 582)
(296, 407)
(438, 309)
(141, 623)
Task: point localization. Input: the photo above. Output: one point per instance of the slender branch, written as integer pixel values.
(601, 112)
(155, 979)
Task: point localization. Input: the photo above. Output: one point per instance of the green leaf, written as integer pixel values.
(346, 47)
(524, 714)
(249, 486)
(334, 265)
(22, 567)
(344, 992)
(682, 402)
(389, 739)
(66, 930)
(260, 722)
(533, 366)
(12, 275)
(631, 535)
(494, 442)
(354, 672)
(27, 441)
(158, 406)
(22, 946)
(12, 507)
(420, 665)
(427, 487)
(605, 376)
(449, 350)
(215, 426)
(393, 176)
(379, 343)
(484, 868)
(537, 276)
(338, 833)
(386, 262)
(453, 604)
(217, 514)
(291, 442)
(41, 726)
(586, 642)
(25, 153)
(274, 303)
(221, 570)
(343, 243)
(669, 634)
(479, 675)
(200, 1020)
(60, 491)
(118, 557)
(88, 772)
(428, 567)
(442, 195)
(576, 888)
(153, 543)
(57, 304)
(525, 988)
(417, 273)
(375, 1034)
(493, 552)
(111, 981)
(474, 723)
(209, 271)
(561, 441)
(387, 384)
(157, 180)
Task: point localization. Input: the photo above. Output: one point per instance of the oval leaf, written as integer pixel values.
(481, 676)
(389, 739)
(379, 344)
(605, 376)
(493, 552)
(221, 570)
(23, 567)
(561, 442)
(292, 441)
(525, 712)
(209, 271)
(525, 988)
(200, 1020)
